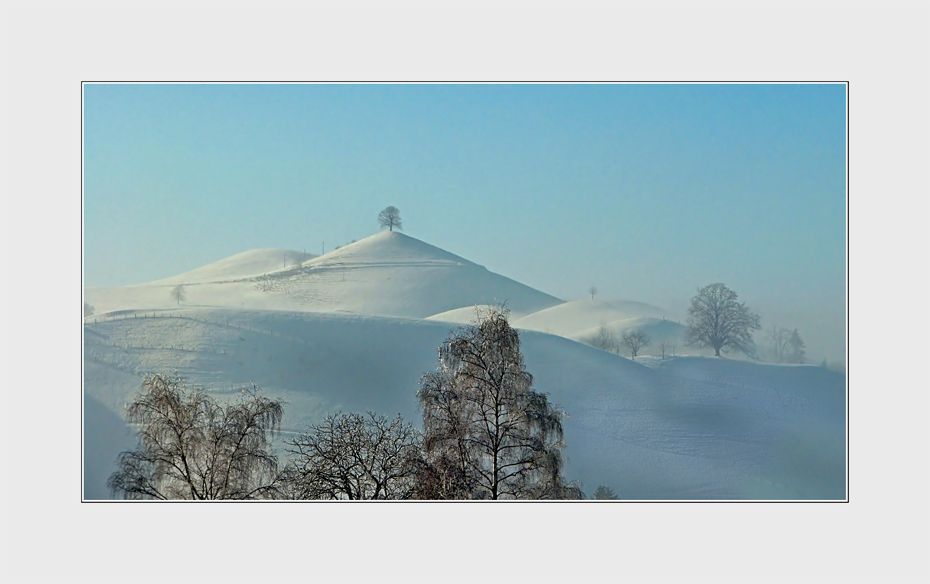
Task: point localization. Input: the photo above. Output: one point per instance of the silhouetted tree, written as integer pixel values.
(716, 319)
(604, 493)
(487, 434)
(350, 456)
(797, 354)
(592, 291)
(635, 341)
(192, 448)
(390, 218)
(178, 293)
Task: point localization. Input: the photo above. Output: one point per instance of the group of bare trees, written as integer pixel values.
(717, 320)
(785, 346)
(632, 340)
(486, 435)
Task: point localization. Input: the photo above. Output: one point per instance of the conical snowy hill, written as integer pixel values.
(397, 275)
(388, 274)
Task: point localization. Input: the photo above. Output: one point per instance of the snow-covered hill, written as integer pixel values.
(388, 274)
(578, 316)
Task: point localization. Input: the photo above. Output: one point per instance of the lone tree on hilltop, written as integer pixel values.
(351, 456)
(635, 341)
(716, 319)
(178, 293)
(487, 434)
(192, 448)
(592, 291)
(390, 218)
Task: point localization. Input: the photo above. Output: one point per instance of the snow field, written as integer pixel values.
(355, 329)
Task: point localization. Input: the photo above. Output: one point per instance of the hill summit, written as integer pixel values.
(397, 275)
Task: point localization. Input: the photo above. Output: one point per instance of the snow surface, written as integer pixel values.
(578, 316)
(467, 314)
(251, 263)
(680, 428)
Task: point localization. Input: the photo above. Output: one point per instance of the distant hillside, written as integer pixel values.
(577, 316)
(658, 330)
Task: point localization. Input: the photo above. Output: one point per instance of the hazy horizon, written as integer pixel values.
(645, 191)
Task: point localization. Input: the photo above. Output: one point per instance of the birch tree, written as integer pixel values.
(487, 433)
(190, 447)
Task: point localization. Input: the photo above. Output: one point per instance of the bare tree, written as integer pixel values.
(487, 434)
(350, 456)
(635, 341)
(390, 218)
(179, 293)
(716, 319)
(192, 448)
(777, 338)
(603, 339)
(665, 346)
(592, 291)
(604, 493)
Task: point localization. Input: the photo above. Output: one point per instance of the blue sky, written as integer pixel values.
(645, 191)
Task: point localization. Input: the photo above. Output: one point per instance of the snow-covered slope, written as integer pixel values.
(247, 264)
(657, 329)
(388, 274)
(578, 316)
(467, 314)
(690, 428)
(396, 275)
